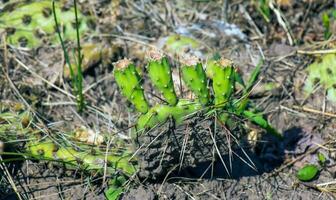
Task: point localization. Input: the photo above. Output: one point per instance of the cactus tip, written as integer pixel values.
(225, 62)
(190, 60)
(122, 64)
(154, 54)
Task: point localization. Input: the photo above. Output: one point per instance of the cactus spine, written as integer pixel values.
(160, 74)
(223, 76)
(194, 76)
(128, 80)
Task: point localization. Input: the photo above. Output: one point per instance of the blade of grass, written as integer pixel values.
(254, 77)
(243, 102)
(66, 55)
(79, 64)
(76, 78)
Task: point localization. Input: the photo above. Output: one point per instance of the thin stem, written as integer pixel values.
(79, 64)
(77, 79)
(66, 56)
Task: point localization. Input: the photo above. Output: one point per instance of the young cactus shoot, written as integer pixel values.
(129, 82)
(194, 76)
(223, 76)
(223, 100)
(159, 72)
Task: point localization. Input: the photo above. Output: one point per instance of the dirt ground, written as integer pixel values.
(233, 29)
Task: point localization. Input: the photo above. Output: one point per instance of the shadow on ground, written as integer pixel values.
(264, 157)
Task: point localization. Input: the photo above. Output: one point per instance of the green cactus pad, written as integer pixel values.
(49, 151)
(123, 162)
(223, 76)
(178, 43)
(160, 74)
(209, 68)
(85, 156)
(129, 82)
(209, 72)
(323, 72)
(194, 76)
(161, 113)
(29, 24)
(45, 150)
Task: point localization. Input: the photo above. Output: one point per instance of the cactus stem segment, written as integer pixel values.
(160, 74)
(194, 76)
(222, 73)
(160, 114)
(128, 80)
(68, 155)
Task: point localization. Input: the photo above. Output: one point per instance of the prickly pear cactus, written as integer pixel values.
(223, 78)
(159, 72)
(184, 132)
(179, 43)
(194, 76)
(31, 23)
(83, 152)
(129, 80)
(322, 72)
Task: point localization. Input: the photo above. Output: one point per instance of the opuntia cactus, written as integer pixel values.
(223, 73)
(18, 124)
(223, 76)
(159, 72)
(30, 23)
(128, 80)
(163, 128)
(194, 76)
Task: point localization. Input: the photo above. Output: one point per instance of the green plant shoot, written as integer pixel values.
(129, 82)
(77, 78)
(194, 76)
(160, 74)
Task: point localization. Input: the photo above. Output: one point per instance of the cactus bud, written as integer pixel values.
(128, 80)
(194, 76)
(159, 72)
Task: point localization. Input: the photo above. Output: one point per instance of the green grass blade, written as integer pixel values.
(79, 74)
(76, 78)
(66, 55)
(254, 77)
